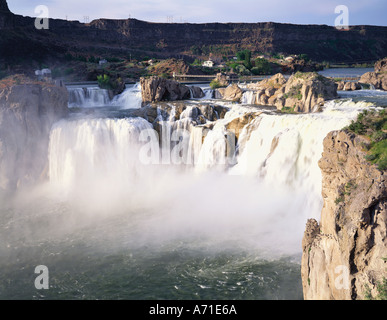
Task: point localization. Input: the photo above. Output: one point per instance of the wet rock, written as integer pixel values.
(155, 89)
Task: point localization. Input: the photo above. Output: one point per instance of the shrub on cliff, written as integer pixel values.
(104, 81)
(373, 125)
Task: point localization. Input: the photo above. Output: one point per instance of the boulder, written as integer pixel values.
(196, 92)
(27, 112)
(378, 78)
(231, 93)
(350, 86)
(155, 89)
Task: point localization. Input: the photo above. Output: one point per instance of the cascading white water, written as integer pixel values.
(274, 179)
(222, 227)
(248, 97)
(91, 149)
(129, 99)
(88, 97)
(279, 150)
(208, 93)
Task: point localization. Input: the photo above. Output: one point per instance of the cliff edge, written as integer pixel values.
(27, 111)
(344, 256)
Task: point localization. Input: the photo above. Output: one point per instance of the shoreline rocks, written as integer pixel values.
(348, 86)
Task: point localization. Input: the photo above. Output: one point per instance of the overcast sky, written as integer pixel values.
(369, 12)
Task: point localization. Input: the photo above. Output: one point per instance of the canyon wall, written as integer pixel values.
(344, 255)
(320, 42)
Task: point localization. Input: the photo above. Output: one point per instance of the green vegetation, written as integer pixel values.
(262, 67)
(373, 125)
(339, 199)
(243, 55)
(242, 70)
(381, 290)
(304, 56)
(109, 83)
(104, 81)
(294, 92)
(215, 84)
(289, 110)
(349, 187)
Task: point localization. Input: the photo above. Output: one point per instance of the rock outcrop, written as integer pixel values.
(238, 124)
(348, 86)
(174, 111)
(155, 89)
(27, 112)
(303, 92)
(231, 93)
(378, 78)
(344, 256)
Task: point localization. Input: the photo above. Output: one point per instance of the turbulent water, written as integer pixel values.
(126, 216)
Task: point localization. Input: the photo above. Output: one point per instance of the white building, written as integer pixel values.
(208, 63)
(44, 74)
(102, 62)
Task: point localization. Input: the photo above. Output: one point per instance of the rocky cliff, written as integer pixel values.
(27, 112)
(344, 255)
(19, 38)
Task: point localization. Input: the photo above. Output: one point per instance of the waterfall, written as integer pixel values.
(248, 97)
(88, 97)
(208, 93)
(129, 99)
(88, 149)
(284, 150)
(280, 151)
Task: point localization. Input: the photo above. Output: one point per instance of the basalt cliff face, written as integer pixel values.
(27, 112)
(344, 255)
(19, 36)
